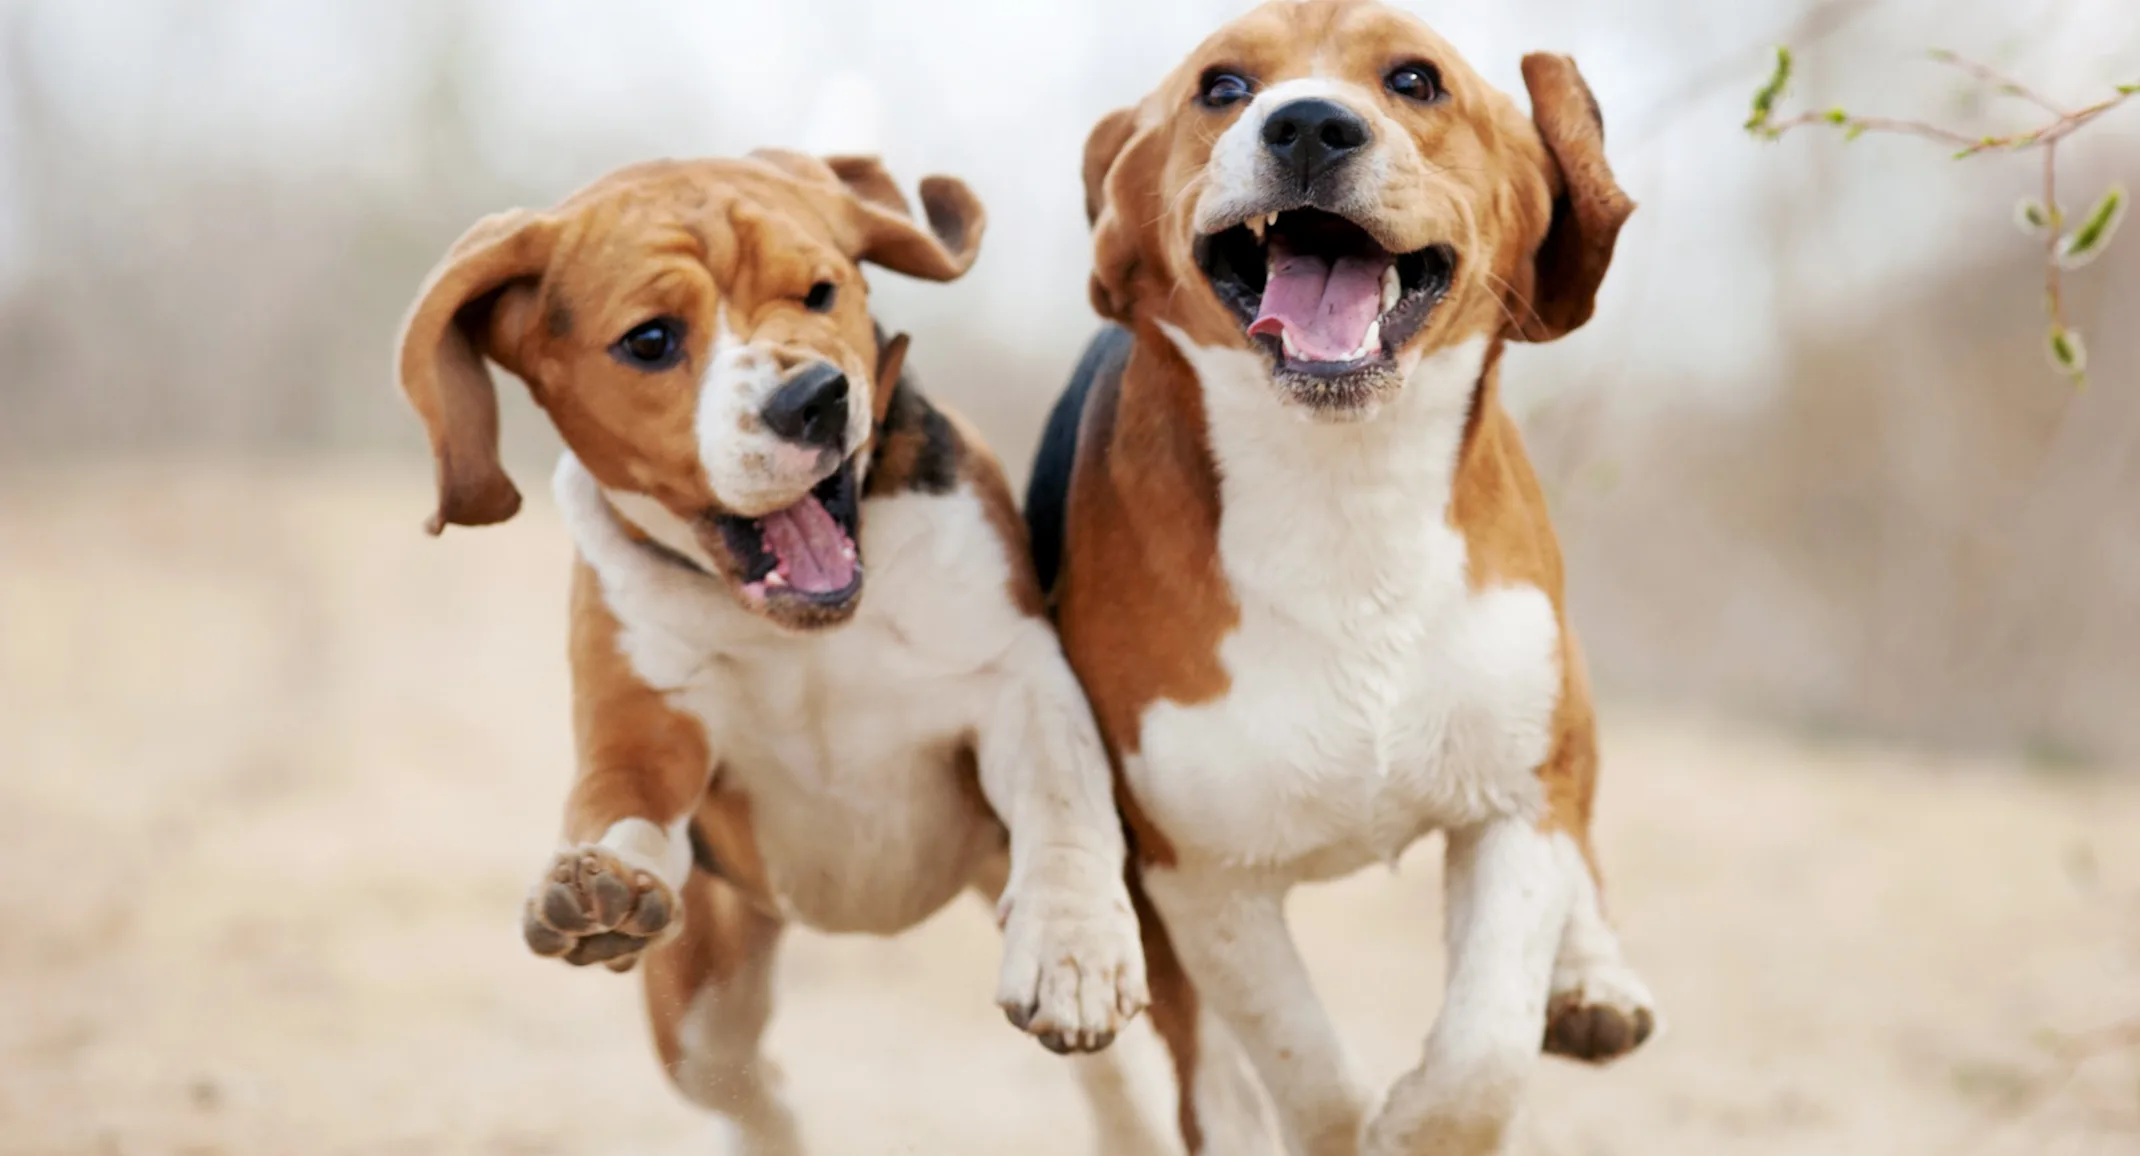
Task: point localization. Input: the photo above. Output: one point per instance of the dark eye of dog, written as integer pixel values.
(1417, 81)
(821, 297)
(658, 344)
(1221, 88)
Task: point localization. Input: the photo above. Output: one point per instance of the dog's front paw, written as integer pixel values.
(594, 907)
(1073, 966)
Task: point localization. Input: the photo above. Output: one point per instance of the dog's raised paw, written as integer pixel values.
(594, 907)
(1073, 967)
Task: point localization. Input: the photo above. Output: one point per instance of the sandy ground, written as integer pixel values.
(277, 769)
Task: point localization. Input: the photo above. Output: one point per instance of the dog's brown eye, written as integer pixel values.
(656, 345)
(821, 297)
(1421, 82)
(1220, 88)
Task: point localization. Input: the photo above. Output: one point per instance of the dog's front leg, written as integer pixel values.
(1510, 886)
(610, 892)
(1229, 929)
(1073, 969)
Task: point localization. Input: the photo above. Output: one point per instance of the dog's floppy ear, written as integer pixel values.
(879, 226)
(1112, 193)
(442, 367)
(1588, 205)
(1102, 146)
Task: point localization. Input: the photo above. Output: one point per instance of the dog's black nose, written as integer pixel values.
(811, 408)
(1310, 137)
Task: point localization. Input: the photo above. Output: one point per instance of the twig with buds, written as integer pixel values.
(2064, 249)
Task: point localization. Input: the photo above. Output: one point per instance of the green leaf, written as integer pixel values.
(1765, 99)
(2128, 89)
(2067, 353)
(1837, 116)
(2088, 240)
(1853, 132)
(2031, 217)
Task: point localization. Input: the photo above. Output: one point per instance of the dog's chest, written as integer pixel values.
(854, 746)
(857, 761)
(1373, 694)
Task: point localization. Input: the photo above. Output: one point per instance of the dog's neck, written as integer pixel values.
(651, 525)
(1351, 509)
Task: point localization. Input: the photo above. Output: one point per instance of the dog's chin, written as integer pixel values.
(799, 567)
(1283, 275)
(1331, 391)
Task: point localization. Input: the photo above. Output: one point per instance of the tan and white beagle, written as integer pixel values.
(1303, 567)
(760, 739)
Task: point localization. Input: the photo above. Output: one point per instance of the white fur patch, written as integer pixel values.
(845, 740)
(1236, 176)
(1374, 696)
(664, 853)
(1510, 889)
(1230, 932)
(750, 469)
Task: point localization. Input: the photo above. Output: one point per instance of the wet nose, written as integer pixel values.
(1312, 136)
(811, 409)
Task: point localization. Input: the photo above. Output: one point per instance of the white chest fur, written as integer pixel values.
(1374, 696)
(845, 742)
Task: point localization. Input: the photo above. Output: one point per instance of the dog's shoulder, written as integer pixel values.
(1047, 491)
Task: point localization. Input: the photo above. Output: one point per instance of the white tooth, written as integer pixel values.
(775, 579)
(1255, 228)
(1285, 341)
(1271, 222)
(1390, 288)
(1370, 343)
(847, 551)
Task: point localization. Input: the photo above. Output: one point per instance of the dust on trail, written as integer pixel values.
(278, 767)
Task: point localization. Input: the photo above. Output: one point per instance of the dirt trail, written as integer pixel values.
(278, 768)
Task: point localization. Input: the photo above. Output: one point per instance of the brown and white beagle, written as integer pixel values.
(1305, 572)
(763, 737)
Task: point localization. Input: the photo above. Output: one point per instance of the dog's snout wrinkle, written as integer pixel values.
(811, 409)
(1311, 136)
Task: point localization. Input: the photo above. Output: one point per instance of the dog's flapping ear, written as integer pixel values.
(879, 225)
(1117, 185)
(1588, 204)
(442, 370)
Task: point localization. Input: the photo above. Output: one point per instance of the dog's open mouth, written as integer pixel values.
(805, 554)
(1319, 293)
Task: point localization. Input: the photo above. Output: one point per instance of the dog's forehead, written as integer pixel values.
(723, 204)
(637, 229)
(1335, 38)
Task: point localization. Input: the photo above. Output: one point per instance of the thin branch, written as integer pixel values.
(1817, 24)
(1999, 81)
(2059, 247)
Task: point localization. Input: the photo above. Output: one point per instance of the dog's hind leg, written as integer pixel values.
(709, 995)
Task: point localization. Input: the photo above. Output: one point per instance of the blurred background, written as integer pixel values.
(1858, 574)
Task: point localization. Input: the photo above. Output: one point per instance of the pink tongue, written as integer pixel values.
(1326, 309)
(809, 548)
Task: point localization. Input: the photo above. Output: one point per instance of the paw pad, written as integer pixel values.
(592, 907)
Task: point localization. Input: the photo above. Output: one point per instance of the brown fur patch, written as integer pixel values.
(1173, 1009)
(723, 932)
(638, 756)
(722, 824)
(1143, 601)
(1500, 509)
